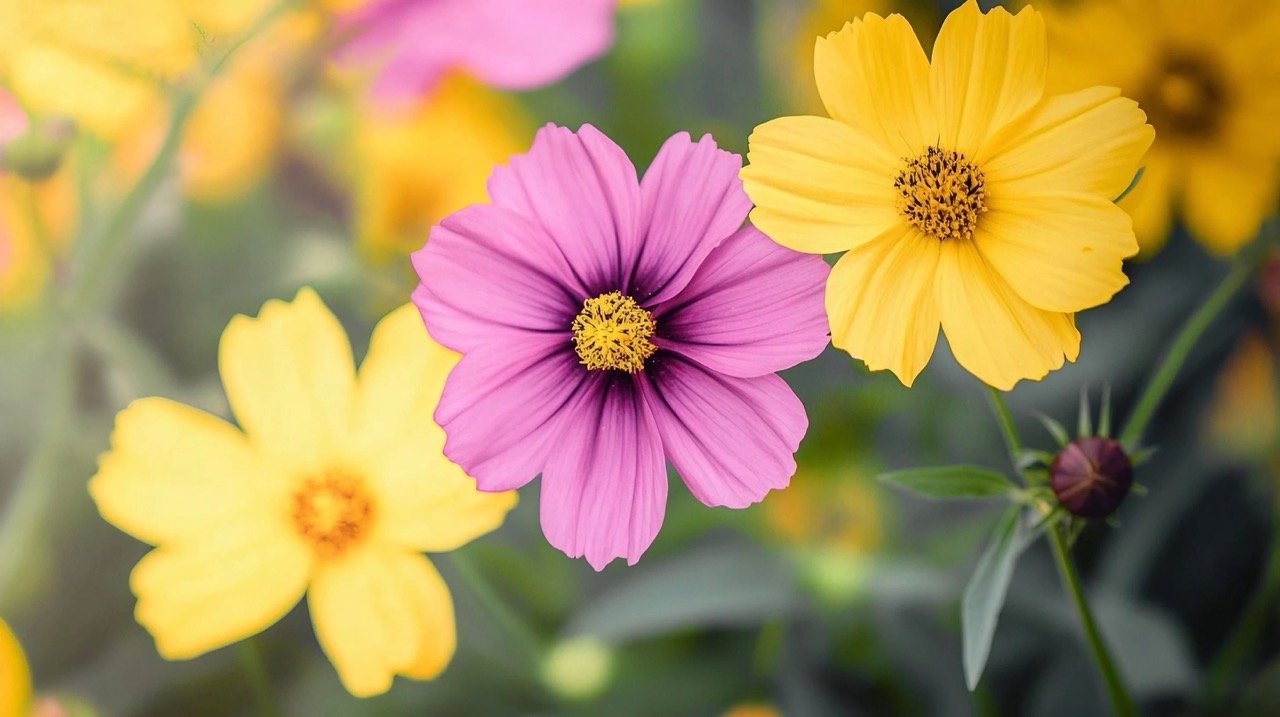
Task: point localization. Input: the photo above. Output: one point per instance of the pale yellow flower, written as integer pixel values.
(414, 167)
(331, 486)
(15, 676)
(35, 225)
(832, 510)
(1208, 74)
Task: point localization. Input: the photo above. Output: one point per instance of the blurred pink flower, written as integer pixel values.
(514, 44)
(606, 324)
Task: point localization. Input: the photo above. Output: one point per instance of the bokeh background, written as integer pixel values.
(838, 596)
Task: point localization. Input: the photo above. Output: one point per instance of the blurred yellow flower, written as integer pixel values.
(415, 167)
(35, 225)
(332, 488)
(832, 510)
(1208, 74)
(1244, 418)
(752, 709)
(962, 196)
(15, 677)
(100, 62)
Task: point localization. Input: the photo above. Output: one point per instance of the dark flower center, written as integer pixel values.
(612, 332)
(942, 193)
(1185, 97)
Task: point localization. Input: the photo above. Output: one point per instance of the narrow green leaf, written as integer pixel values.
(1030, 458)
(1055, 429)
(1084, 422)
(984, 595)
(1142, 455)
(1137, 177)
(1104, 415)
(952, 481)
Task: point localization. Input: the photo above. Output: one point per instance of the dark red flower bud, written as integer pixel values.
(1091, 476)
(1269, 283)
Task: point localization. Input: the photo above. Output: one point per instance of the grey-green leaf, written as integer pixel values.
(952, 481)
(984, 595)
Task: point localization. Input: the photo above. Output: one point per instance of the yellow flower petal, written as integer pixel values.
(239, 579)
(428, 503)
(290, 379)
(819, 186)
(993, 333)
(1228, 196)
(15, 676)
(1059, 252)
(231, 137)
(880, 300)
(378, 614)
(176, 474)
(987, 70)
(873, 76)
(54, 82)
(1089, 141)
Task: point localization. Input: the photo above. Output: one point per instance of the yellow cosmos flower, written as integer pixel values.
(963, 197)
(100, 62)
(1208, 74)
(35, 222)
(417, 166)
(835, 511)
(332, 487)
(15, 677)
(1244, 418)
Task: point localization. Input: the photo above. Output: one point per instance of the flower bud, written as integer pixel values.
(1269, 283)
(1091, 476)
(37, 153)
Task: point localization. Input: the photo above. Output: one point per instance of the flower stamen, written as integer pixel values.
(942, 193)
(332, 511)
(612, 333)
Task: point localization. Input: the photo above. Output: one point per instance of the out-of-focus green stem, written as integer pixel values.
(23, 518)
(1244, 637)
(1121, 703)
(484, 592)
(1246, 262)
(255, 670)
(1007, 427)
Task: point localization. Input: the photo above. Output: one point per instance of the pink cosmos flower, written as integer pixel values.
(606, 324)
(514, 44)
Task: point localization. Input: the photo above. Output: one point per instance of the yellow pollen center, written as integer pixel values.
(332, 511)
(612, 333)
(942, 193)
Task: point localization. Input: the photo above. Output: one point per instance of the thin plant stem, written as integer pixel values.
(89, 280)
(255, 669)
(1244, 637)
(488, 597)
(1007, 427)
(1122, 703)
(1162, 380)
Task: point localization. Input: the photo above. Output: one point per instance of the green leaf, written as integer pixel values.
(1084, 422)
(984, 595)
(1055, 429)
(1104, 417)
(1030, 458)
(1137, 177)
(952, 482)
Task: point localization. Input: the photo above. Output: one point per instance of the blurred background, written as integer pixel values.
(837, 596)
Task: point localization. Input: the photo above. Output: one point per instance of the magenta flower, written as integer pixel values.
(515, 44)
(606, 323)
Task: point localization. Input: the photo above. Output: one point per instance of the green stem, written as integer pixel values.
(1121, 703)
(1240, 645)
(255, 670)
(1007, 427)
(1241, 269)
(488, 597)
(23, 521)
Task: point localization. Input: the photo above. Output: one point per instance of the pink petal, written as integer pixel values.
(516, 44)
(731, 439)
(752, 308)
(692, 200)
(487, 274)
(604, 490)
(500, 405)
(583, 190)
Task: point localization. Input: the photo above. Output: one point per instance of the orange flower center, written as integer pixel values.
(942, 193)
(1185, 97)
(333, 511)
(612, 333)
